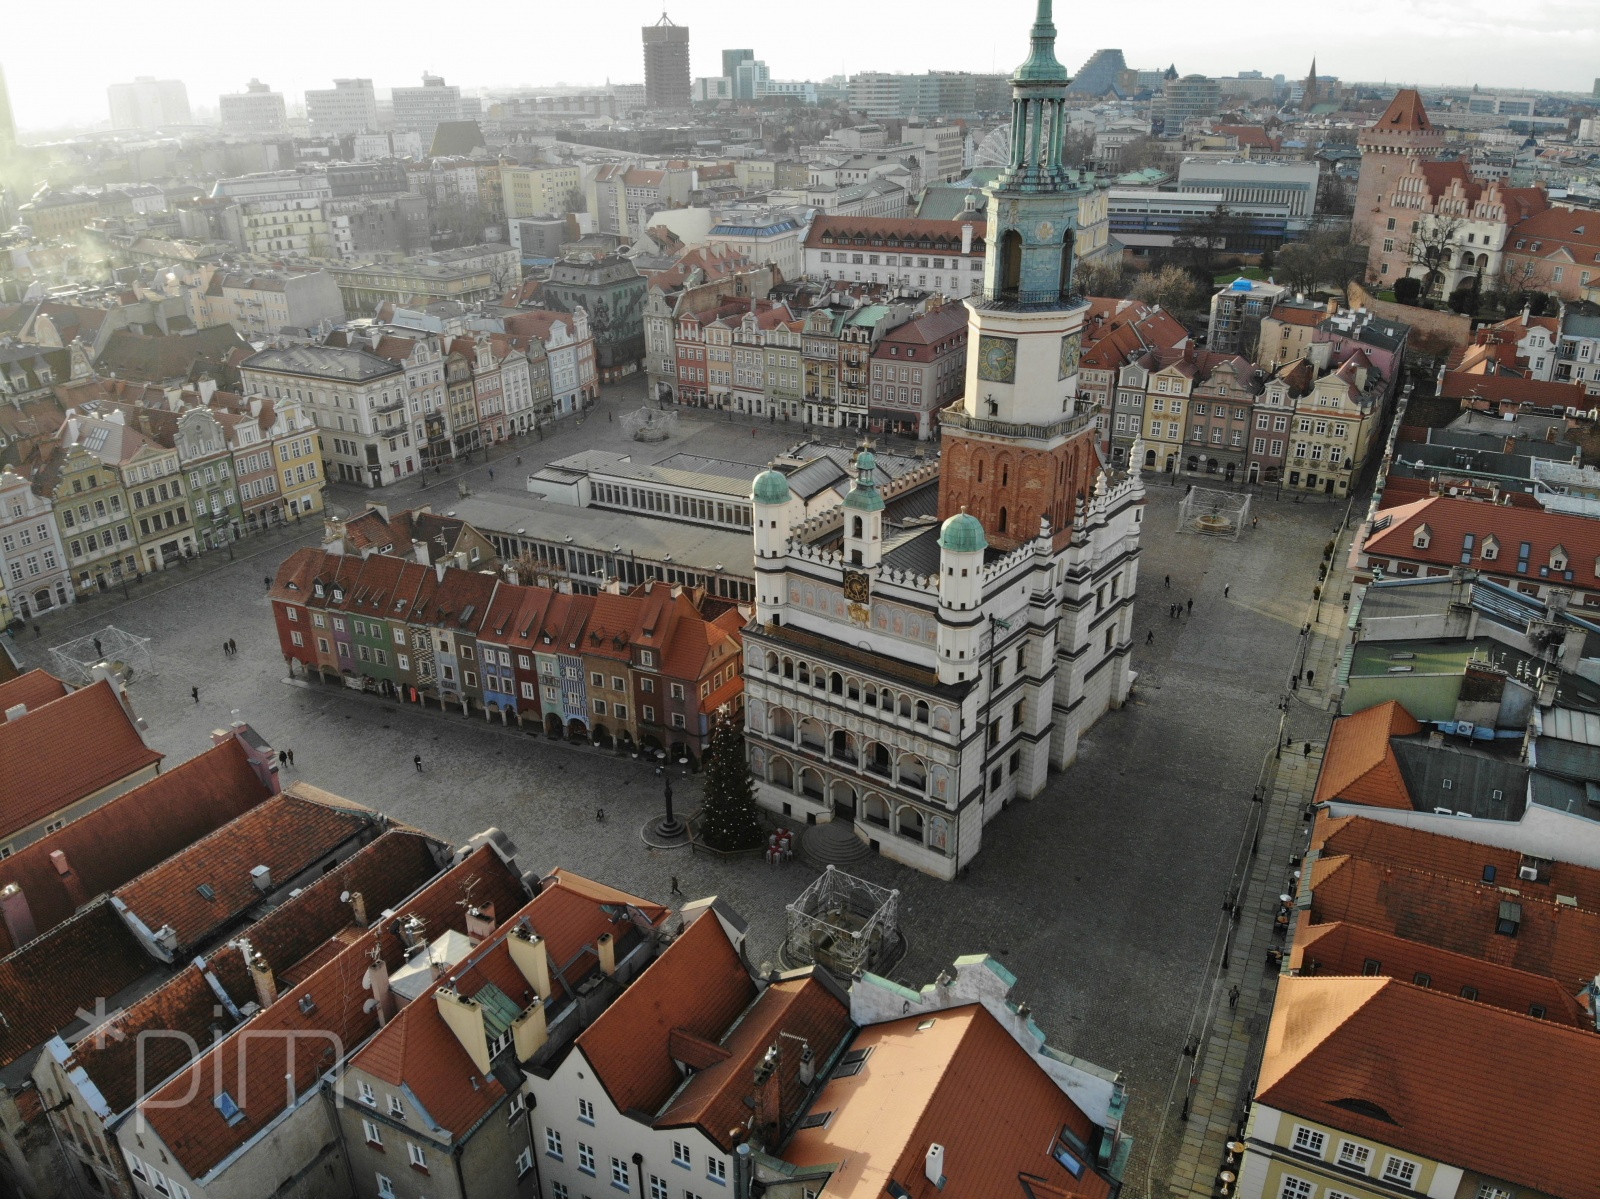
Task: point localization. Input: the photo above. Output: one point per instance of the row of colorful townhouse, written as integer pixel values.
(648, 669)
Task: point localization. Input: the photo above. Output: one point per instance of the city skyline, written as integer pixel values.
(1555, 46)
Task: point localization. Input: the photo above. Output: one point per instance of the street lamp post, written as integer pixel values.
(669, 825)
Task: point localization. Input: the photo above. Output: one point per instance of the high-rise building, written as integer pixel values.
(666, 64)
(1191, 96)
(256, 110)
(349, 106)
(422, 108)
(148, 103)
(731, 60)
(1101, 73)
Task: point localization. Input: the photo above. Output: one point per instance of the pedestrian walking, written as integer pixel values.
(1167, 579)
(1191, 607)
(608, 418)
(225, 651)
(1225, 587)
(416, 760)
(600, 815)
(233, 646)
(491, 472)
(674, 879)
(1149, 636)
(36, 632)
(267, 581)
(194, 693)
(283, 758)
(1233, 996)
(519, 459)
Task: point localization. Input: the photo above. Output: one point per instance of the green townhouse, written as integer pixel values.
(203, 454)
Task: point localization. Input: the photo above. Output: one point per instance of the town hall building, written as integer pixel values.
(914, 667)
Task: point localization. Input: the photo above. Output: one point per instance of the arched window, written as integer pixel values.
(905, 706)
(836, 683)
(875, 811)
(844, 747)
(811, 783)
(1066, 264)
(913, 773)
(811, 735)
(910, 824)
(855, 526)
(782, 774)
(788, 667)
(980, 470)
(1010, 262)
(805, 673)
(782, 724)
(878, 760)
(772, 663)
(1002, 521)
(922, 711)
(872, 696)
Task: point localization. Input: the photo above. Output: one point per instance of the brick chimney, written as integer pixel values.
(70, 881)
(529, 955)
(376, 980)
(358, 908)
(480, 922)
(18, 916)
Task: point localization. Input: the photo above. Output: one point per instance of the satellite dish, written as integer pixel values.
(344, 897)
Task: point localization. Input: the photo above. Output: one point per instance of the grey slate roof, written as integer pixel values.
(326, 362)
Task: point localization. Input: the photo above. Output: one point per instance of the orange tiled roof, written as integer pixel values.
(1405, 114)
(835, 228)
(186, 1119)
(1451, 518)
(33, 689)
(713, 1101)
(1576, 230)
(1408, 1067)
(1463, 917)
(118, 840)
(286, 834)
(698, 984)
(1458, 385)
(44, 766)
(1398, 845)
(961, 1081)
(1360, 765)
(1349, 949)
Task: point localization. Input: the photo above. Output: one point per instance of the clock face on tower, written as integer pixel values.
(857, 586)
(1071, 352)
(997, 359)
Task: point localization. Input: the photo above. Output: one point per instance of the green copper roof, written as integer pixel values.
(770, 487)
(1042, 66)
(963, 533)
(864, 495)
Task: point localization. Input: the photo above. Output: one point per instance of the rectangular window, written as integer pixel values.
(658, 1187)
(586, 1111)
(680, 1154)
(716, 1169)
(1399, 1170)
(1309, 1140)
(1295, 1188)
(385, 1188)
(586, 1158)
(525, 1163)
(619, 1175)
(370, 1131)
(552, 1143)
(1355, 1157)
(416, 1156)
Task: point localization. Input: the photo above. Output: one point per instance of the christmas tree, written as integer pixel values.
(728, 818)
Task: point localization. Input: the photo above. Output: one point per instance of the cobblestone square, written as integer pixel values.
(1104, 895)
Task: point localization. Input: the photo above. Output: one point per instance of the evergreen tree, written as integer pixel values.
(728, 818)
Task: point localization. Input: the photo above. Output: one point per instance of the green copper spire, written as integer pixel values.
(1042, 66)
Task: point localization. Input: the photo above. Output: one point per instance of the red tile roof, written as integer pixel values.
(916, 229)
(33, 689)
(1405, 114)
(1381, 841)
(184, 1116)
(1462, 917)
(65, 751)
(1575, 230)
(418, 1050)
(713, 1100)
(1450, 518)
(43, 984)
(698, 984)
(959, 1080)
(286, 834)
(1340, 1051)
(1359, 764)
(1348, 949)
(120, 839)
(1497, 389)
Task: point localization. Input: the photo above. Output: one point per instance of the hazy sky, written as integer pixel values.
(56, 78)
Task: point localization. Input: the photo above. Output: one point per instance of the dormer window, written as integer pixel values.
(316, 588)
(1422, 538)
(1558, 558)
(1491, 551)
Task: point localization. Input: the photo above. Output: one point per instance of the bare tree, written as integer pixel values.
(1174, 288)
(1431, 247)
(1102, 277)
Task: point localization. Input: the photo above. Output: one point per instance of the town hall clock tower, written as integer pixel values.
(1020, 445)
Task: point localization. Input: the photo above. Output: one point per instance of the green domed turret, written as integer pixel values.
(770, 487)
(963, 534)
(864, 494)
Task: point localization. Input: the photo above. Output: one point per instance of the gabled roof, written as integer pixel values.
(957, 1079)
(1463, 917)
(287, 834)
(1340, 947)
(419, 1051)
(1451, 518)
(104, 848)
(184, 356)
(44, 766)
(1460, 385)
(1360, 765)
(33, 690)
(698, 985)
(44, 984)
(1407, 1066)
(330, 1000)
(713, 1100)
